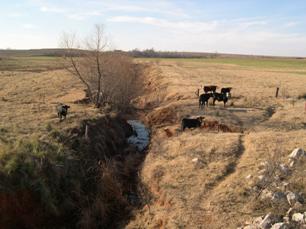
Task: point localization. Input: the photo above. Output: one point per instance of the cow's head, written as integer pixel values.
(228, 95)
(201, 118)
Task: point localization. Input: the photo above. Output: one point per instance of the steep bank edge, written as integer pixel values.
(74, 180)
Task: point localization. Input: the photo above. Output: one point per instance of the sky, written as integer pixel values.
(264, 27)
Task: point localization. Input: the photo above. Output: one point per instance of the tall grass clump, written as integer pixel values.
(33, 182)
(64, 182)
(302, 96)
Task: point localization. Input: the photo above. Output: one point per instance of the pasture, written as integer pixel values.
(196, 178)
(40, 156)
(30, 89)
(293, 64)
(205, 178)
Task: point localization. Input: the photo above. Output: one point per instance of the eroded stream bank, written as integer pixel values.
(74, 179)
(118, 147)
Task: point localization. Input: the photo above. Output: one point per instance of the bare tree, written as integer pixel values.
(109, 77)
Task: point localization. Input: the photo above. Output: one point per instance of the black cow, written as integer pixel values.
(220, 97)
(203, 99)
(62, 111)
(227, 91)
(191, 122)
(211, 88)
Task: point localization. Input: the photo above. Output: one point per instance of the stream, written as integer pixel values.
(141, 136)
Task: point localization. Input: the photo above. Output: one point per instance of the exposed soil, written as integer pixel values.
(197, 178)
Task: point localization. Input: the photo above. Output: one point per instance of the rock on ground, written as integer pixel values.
(297, 153)
(268, 221)
(298, 217)
(280, 226)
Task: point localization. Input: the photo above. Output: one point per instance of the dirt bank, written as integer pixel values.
(203, 178)
(72, 178)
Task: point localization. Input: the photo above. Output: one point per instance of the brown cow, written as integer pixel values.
(211, 88)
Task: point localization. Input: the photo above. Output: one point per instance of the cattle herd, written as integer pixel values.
(209, 92)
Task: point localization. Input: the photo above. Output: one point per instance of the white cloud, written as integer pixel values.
(291, 24)
(94, 6)
(52, 9)
(251, 36)
(29, 26)
(175, 25)
(157, 6)
(181, 25)
(82, 16)
(15, 15)
(71, 13)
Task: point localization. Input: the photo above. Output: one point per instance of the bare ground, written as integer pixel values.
(198, 177)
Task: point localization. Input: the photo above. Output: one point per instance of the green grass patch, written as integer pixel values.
(282, 63)
(33, 64)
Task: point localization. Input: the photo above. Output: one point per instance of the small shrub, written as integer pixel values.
(49, 127)
(302, 96)
(3, 131)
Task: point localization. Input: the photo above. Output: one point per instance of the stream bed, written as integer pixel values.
(141, 136)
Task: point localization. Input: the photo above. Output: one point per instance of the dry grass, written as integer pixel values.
(212, 191)
(28, 100)
(50, 175)
(209, 192)
(178, 183)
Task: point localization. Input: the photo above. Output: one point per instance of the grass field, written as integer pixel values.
(198, 177)
(256, 62)
(29, 63)
(50, 175)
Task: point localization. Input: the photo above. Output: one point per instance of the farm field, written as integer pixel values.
(205, 178)
(200, 178)
(29, 63)
(38, 159)
(30, 92)
(163, 114)
(294, 64)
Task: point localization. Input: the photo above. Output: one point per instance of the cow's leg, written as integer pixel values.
(182, 127)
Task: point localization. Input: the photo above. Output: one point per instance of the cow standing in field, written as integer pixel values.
(203, 99)
(191, 122)
(220, 97)
(211, 88)
(62, 111)
(226, 90)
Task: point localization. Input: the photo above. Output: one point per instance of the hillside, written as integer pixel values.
(208, 178)
(79, 172)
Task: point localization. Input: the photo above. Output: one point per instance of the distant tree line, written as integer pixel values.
(151, 53)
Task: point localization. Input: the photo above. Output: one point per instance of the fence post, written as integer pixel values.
(197, 92)
(86, 132)
(277, 90)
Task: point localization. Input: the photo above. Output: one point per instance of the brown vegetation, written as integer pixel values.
(51, 175)
(109, 77)
(203, 178)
